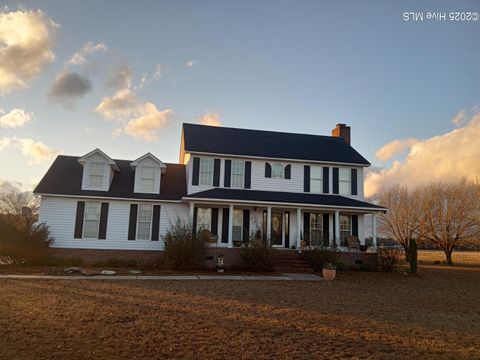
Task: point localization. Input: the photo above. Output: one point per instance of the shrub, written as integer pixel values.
(256, 256)
(22, 242)
(387, 258)
(318, 258)
(183, 250)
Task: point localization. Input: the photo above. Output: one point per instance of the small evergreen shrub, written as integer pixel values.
(318, 258)
(183, 249)
(257, 256)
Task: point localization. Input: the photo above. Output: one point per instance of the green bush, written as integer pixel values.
(387, 258)
(318, 258)
(257, 257)
(183, 250)
(22, 242)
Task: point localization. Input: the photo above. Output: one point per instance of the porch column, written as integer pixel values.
(192, 206)
(230, 226)
(337, 228)
(299, 229)
(374, 230)
(269, 225)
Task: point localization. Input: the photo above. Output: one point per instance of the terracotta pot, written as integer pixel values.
(329, 274)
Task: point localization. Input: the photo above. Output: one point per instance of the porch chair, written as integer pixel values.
(353, 243)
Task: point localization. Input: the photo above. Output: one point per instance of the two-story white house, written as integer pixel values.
(235, 183)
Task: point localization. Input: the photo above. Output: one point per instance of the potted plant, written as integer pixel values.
(329, 271)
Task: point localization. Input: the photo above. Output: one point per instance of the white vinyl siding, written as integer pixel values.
(144, 221)
(147, 179)
(277, 171)
(97, 173)
(344, 181)
(316, 185)
(238, 173)
(206, 172)
(91, 220)
(204, 219)
(237, 225)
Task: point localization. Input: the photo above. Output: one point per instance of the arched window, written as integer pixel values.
(277, 171)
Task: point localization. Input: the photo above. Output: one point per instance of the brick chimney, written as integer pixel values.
(342, 131)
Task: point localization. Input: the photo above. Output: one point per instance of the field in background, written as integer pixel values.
(360, 315)
(459, 257)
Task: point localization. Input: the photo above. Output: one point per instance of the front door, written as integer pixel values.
(277, 228)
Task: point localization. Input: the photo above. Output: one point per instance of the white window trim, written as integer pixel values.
(90, 175)
(85, 219)
(142, 178)
(350, 230)
(241, 225)
(242, 183)
(208, 228)
(348, 181)
(151, 222)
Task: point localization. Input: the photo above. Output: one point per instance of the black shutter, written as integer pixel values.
(354, 181)
(326, 180)
(306, 178)
(79, 220)
(196, 170)
(288, 172)
(102, 230)
(214, 221)
(355, 225)
(287, 229)
(132, 222)
(268, 170)
(248, 174)
(246, 225)
(228, 171)
(156, 223)
(326, 229)
(225, 226)
(306, 227)
(216, 172)
(335, 180)
(194, 220)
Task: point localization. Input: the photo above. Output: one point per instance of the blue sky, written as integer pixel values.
(297, 66)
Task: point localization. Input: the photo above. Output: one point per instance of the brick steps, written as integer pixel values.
(291, 262)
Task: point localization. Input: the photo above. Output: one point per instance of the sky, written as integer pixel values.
(123, 76)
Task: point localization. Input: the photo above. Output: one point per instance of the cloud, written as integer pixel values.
(69, 86)
(37, 151)
(120, 77)
(26, 43)
(4, 143)
(386, 152)
(158, 72)
(135, 117)
(15, 118)
(210, 118)
(460, 118)
(447, 157)
(8, 186)
(80, 57)
(191, 63)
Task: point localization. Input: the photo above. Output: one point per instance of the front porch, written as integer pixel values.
(232, 225)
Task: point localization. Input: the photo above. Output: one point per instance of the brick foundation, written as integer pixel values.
(90, 256)
(358, 259)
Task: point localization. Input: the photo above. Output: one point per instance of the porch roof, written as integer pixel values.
(288, 198)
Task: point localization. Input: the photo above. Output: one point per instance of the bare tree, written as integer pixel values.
(403, 220)
(19, 203)
(452, 215)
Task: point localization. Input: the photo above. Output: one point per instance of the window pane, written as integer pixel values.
(148, 172)
(344, 181)
(238, 171)
(92, 219)
(97, 169)
(277, 171)
(237, 217)
(316, 179)
(345, 228)
(144, 221)
(204, 219)
(206, 172)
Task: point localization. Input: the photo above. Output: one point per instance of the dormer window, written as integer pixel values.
(97, 173)
(277, 171)
(147, 179)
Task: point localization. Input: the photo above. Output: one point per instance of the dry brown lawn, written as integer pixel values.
(467, 258)
(360, 316)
